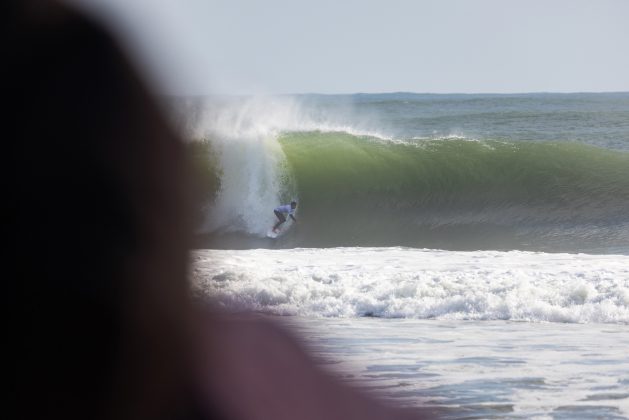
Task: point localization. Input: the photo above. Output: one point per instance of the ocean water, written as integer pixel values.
(464, 252)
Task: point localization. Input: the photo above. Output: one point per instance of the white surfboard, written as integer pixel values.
(280, 231)
(271, 234)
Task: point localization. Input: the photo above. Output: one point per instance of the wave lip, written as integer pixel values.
(422, 284)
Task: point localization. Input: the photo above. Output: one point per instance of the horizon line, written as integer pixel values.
(401, 92)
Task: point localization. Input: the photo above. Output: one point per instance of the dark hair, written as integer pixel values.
(293, 203)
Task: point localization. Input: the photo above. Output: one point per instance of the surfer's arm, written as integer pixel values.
(293, 217)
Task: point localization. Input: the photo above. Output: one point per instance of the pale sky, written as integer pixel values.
(437, 46)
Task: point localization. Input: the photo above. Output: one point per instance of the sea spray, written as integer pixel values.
(243, 152)
(252, 168)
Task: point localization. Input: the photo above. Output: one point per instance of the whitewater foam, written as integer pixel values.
(422, 284)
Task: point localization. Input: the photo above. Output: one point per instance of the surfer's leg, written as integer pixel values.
(281, 220)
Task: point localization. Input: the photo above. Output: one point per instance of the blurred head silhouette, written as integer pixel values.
(99, 204)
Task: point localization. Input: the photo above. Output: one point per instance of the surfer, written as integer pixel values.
(281, 211)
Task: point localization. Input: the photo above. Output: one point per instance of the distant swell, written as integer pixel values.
(450, 193)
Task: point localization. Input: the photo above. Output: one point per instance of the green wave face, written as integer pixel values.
(456, 194)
